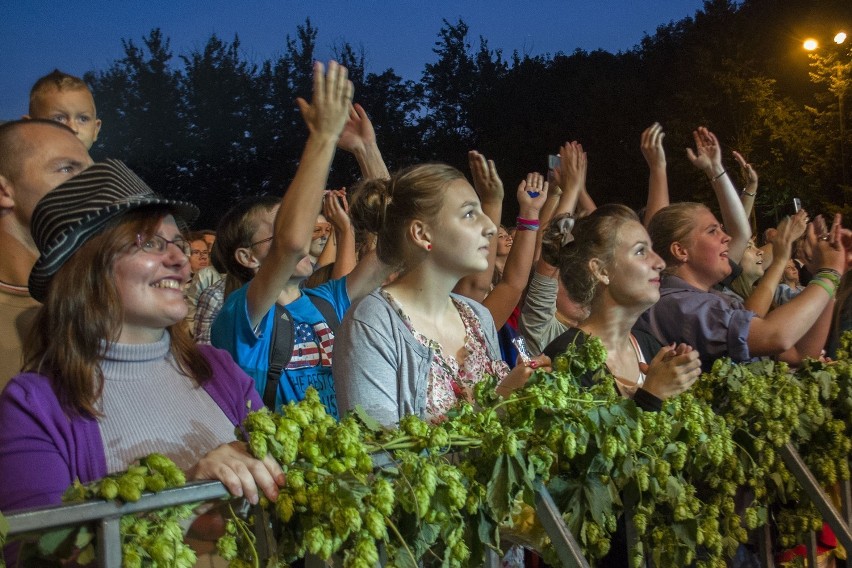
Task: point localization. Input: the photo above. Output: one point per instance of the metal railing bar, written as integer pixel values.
(78, 513)
(812, 549)
(569, 551)
(764, 543)
(109, 543)
(806, 479)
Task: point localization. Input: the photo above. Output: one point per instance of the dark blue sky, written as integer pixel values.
(81, 35)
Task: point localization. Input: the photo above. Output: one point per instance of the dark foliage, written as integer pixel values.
(212, 126)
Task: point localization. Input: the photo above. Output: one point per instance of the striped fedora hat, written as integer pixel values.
(65, 218)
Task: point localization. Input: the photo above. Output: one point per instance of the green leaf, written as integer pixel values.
(57, 541)
(674, 489)
(425, 538)
(84, 537)
(368, 421)
(87, 555)
(4, 528)
(403, 559)
(597, 497)
(497, 490)
(687, 531)
(486, 530)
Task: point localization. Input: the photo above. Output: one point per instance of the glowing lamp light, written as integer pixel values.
(810, 44)
(840, 38)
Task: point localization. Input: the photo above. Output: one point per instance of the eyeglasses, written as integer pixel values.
(201, 253)
(156, 244)
(261, 241)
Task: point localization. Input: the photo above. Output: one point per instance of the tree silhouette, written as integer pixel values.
(212, 126)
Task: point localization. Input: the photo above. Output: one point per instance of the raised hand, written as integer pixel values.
(532, 194)
(787, 232)
(573, 164)
(335, 208)
(707, 156)
(824, 247)
(358, 132)
(652, 146)
(749, 172)
(486, 181)
(328, 110)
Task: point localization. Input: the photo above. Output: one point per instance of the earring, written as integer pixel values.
(428, 246)
(605, 280)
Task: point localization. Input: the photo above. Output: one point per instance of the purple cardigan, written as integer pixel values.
(43, 450)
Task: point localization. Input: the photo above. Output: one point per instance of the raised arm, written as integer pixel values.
(335, 208)
(788, 230)
(750, 192)
(531, 194)
(787, 326)
(707, 157)
(571, 176)
(489, 188)
(538, 320)
(325, 116)
(359, 139)
(655, 156)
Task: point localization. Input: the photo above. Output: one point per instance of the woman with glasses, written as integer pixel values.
(110, 373)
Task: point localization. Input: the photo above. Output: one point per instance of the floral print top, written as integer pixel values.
(448, 379)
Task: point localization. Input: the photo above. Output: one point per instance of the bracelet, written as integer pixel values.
(825, 286)
(524, 227)
(750, 194)
(526, 224)
(718, 176)
(829, 274)
(522, 221)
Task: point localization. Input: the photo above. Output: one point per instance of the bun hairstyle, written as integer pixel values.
(672, 224)
(386, 207)
(570, 246)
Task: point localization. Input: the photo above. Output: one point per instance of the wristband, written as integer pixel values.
(718, 176)
(526, 224)
(829, 274)
(750, 194)
(829, 289)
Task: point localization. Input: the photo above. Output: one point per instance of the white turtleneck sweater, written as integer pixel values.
(149, 406)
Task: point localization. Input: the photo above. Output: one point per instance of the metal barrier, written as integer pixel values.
(107, 515)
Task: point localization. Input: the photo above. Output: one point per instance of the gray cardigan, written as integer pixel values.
(379, 364)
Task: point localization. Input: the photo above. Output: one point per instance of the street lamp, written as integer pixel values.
(812, 45)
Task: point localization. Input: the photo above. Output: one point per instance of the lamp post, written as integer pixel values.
(812, 45)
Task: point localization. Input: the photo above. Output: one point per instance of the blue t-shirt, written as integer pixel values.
(313, 342)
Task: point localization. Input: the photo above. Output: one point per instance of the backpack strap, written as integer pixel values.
(279, 353)
(326, 308)
(283, 340)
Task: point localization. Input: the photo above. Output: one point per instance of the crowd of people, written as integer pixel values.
(125, 333)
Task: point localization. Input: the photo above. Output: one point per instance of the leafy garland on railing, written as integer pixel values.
(154, 538)
(696, 476)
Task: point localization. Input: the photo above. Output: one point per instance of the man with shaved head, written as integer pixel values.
(35, 157)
